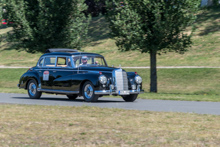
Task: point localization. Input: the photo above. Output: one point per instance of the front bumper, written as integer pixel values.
(120, 92)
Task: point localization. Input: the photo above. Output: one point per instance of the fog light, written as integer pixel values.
(133, 87)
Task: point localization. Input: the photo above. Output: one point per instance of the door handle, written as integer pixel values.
(40, 71)
(54, 71)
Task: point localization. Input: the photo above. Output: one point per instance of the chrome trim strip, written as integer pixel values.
(109, 92)
(57, 69)
(70, 69)
(57, 91)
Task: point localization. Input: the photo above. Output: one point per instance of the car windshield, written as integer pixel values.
(89, 61)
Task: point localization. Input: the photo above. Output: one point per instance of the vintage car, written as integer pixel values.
(74, 74)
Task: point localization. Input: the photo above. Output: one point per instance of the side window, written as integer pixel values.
(63, 62)
(50, 61)
(41, 62)
(77, 61)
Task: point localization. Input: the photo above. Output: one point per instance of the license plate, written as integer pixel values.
(122, 92)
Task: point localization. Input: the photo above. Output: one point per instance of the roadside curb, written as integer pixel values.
(172, 67)
(2, 66)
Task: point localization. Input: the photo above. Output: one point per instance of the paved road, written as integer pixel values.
(139, 104)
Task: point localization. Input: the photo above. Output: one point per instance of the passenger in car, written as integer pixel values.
(69, 63)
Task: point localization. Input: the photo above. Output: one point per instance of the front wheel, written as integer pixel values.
(130, 98)
(88, 92)
(32, 90)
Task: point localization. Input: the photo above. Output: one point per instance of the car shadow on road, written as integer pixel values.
(67, 100)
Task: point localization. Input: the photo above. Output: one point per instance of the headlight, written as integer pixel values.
(102, 79)
(138, 79)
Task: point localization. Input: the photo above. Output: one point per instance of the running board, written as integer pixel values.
(58, 91)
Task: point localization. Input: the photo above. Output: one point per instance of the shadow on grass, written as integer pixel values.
(10, 46)
(211, 14)
(2, 26)
(7, 46)
(98, 30)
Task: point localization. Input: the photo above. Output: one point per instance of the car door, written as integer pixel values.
(46, 72)
(63, 74)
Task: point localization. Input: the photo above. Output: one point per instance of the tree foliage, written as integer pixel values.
(39, 25)
(152, 26)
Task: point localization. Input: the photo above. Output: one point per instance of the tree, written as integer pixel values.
(152, 26)
(2, 5)
(42, 24)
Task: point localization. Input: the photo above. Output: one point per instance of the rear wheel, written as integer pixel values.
(88, 92)
(72, 96)
(130, 98)
(32, 90)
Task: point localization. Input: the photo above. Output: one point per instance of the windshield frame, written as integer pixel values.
(88, 55)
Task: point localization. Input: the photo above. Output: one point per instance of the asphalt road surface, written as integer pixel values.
(139, 104)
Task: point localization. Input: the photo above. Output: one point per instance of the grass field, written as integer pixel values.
(205, 50)
(173, 84)
(90, 126)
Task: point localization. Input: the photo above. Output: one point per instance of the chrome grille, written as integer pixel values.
(121, 80)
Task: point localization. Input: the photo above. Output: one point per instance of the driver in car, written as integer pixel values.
(84, 60)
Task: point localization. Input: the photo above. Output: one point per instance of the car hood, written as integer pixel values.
(99, 69)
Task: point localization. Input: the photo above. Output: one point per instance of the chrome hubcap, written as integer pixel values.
(32, 89)
(88, 91)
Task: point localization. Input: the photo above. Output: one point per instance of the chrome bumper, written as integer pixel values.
(122, 92)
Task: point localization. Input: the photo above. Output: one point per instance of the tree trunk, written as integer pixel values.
(153, 71)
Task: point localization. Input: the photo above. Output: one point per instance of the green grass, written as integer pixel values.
(25, 125)
(183, 84)
(9, 78)
(11, 57)
(204, 51)
(173, 84)
(187, 81)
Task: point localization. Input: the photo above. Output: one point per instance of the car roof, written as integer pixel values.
(71, 54)
(66, 52)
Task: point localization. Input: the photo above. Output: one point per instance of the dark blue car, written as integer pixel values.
(73, 73)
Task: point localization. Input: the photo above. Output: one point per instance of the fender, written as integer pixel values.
(131, 78)
(92, 77)
(131, 75)
(26, 77)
